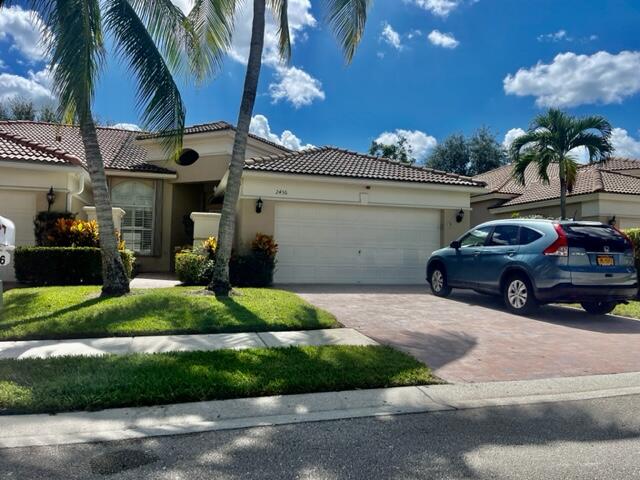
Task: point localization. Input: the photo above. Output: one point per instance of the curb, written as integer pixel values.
(130, 423)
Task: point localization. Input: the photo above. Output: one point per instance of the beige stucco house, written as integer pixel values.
(338, 216)
(608, 192)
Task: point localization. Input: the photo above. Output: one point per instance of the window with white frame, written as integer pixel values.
(137, 199)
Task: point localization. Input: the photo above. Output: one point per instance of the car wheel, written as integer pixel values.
(518, 295)
(599, 308)
(438, 282)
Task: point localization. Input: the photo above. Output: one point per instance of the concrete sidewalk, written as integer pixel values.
(180, 343)
(127, 423)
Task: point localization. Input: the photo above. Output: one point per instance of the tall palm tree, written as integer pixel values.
(550, 140)
(149, 35)
(213, 25)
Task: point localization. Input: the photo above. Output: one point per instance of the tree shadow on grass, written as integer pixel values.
(524, 440)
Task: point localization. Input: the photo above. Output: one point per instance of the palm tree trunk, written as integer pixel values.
(220, 281)
(563, 199)
(114, 277)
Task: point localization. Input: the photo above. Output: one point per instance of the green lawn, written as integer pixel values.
(76, 312)
(632, 310)
(91, 383)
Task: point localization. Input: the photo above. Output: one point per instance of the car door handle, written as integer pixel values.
(511, 253)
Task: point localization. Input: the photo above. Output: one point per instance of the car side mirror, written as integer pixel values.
(455, 244)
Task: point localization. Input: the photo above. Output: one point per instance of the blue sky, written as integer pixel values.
(428, 67)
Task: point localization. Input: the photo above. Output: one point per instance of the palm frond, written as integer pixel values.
(347, 19)
(77, 53)
(212, 24)
(592, 122)
(521, 164)
(280, 12)
(568, 170)
(598, 146)
(169, 28)
(158, 96)
(522, 142)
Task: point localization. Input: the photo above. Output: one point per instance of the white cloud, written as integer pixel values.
(421, 144)
(24, 27)
(510, 136)
(260, 126)
(441, 8)
(572, 80)
(555, 37)
(625, 145)
(445, 40)
(295, 86)
(36, 87)
(291, 83)
(391, 37)
(128, 126)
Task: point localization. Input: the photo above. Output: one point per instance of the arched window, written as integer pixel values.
(137, 199)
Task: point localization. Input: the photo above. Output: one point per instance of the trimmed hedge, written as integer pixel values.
(63, 265)
(634, 235)
(255, 269)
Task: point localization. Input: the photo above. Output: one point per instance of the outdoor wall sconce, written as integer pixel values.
(51, 197)
(259, 205)
(460, 216)
(612, 221)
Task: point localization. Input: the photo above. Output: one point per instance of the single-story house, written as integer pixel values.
(338, 216)
(608, 192)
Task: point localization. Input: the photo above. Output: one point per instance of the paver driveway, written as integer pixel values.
(471, 338)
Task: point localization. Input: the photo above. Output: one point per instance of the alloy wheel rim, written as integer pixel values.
(517, 294)
(437, 280)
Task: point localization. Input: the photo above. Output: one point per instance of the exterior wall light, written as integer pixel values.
(51, 197)
(259, 205)
(460, 216)
(613, 221)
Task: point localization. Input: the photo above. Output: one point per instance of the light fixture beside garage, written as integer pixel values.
(51, 197)
(460, 216)
(259, 205)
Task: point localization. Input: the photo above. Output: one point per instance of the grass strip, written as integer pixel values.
(78, 312)
(93, 383)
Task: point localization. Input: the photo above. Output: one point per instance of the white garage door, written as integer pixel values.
(354, 244)
(19, 207)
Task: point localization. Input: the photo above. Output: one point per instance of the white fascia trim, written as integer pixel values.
(545, 203)
(41, 167)
(364, 181)
(125, 173)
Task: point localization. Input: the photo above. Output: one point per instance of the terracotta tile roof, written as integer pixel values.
(219, 126)
(590, 179)
(14, 147)
(118, 147)
(336, 162)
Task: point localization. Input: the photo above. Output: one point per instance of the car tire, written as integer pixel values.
(438, 281)
(599, 308)
(518, 295)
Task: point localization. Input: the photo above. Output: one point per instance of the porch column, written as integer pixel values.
(205, 225)
(118, 213)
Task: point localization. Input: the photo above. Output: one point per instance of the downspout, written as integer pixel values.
(71, 194)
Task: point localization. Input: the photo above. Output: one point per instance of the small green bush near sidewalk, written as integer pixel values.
(91, 383)
(78, 312)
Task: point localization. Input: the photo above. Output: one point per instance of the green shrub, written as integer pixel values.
(44, 226)
(64, 265)
(254, 269)
(189, 267)
(634, 235)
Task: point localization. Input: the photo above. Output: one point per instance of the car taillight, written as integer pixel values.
(559, 248)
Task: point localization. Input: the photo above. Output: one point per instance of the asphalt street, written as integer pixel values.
(591, 439)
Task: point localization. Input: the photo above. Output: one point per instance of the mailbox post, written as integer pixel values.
(7, 245)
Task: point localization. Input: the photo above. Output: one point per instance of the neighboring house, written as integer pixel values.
(338, 216)
(607, 192)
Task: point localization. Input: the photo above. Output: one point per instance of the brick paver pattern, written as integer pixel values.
(470, 337)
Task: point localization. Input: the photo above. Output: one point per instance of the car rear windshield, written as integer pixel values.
(596, 238)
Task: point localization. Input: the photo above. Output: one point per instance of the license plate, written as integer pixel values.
(605, 261)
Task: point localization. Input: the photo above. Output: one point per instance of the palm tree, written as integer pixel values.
(551, 138)
(213, 24)
(149, 35)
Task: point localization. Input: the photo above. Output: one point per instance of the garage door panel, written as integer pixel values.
(354, 244)
(20, 208)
